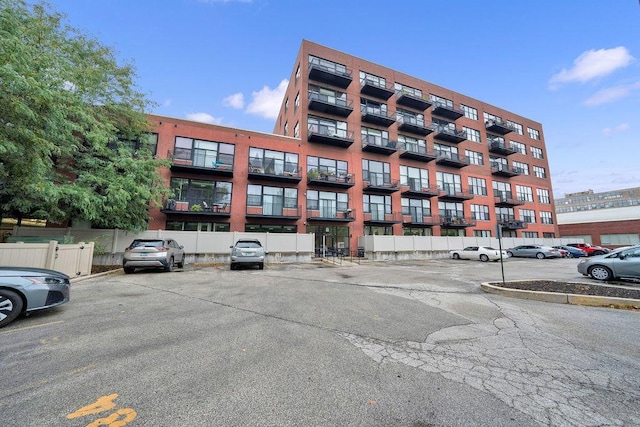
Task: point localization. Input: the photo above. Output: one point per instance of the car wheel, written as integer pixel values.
(169, 266)
(232, 266)
(261, 266)
(128, 270)
(484, 258)
(540, 255)
(509, 254)
(598, 253)
(10, 306)
(456, 256)
(600, 272)
(181, 263)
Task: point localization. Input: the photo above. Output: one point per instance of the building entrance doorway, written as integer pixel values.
(330, 240)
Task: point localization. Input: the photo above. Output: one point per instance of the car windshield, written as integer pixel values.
(489, 248)
(147, 243)
(248, 245)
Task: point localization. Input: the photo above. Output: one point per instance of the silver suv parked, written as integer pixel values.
(247, 252)
(154, 253)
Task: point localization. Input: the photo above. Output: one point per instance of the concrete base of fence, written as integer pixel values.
(276, 257)
(407, 255)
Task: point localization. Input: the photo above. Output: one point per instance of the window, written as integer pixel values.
(272, 199)
(469, 112)
(329, 167)
(450, 210)
(620, 239)
(480, 212)
(546, 218)
(413, 145)
(377, 230)
(328, 127)
(200, 192)
(286, 128)
(548, 235)
(472, 134)
(449, 183)
(368, 106)
(519, 147)
(517, 127)
(505, 214)
(400, 88)
(502, 190)
(523, 168)
(286, 105)
(416, 179)
(376, 205)
(482, 233)
(533, 133)
(197, 226)
(491, 117)
(447, 151)
(329, 204)
(297, 73)
(536, 153)
(296, 103)
(530, 234)
(524, 194)
(372, 79)
(372, 136)
(404, 116)
(527, 215)
(477, 186)
(441, 102)
(331, 66)
(474, 157)
(328, 96)
(543, 196)
(539, 172)
(418, 209)
(376, 173)
(197, 152)
(296, 130)
(272, 162)
(270, 228)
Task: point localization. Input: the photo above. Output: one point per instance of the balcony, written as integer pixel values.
(332, 75)
(412, 101)
(329, 179)
(498, 126)
(274, 211)
(331, 215)
(415, 190)
(374, 88)
(376, 116)
(507, 200)
(500, 169)
(413, 125)
(453, 194)
(200, 161)
(510, 223)
(448, 134)
(330, 104)
(288, 173)
(377, 185)
(195, 208)
(320, 134)
(379, 217)
(418, 218)
(443, 110)
(373, 144)
(416, 152)
(454, 160)
(500, 147)
(454, 221)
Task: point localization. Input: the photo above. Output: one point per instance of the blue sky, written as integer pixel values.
(573, 65)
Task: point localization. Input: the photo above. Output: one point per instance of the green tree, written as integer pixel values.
(73, 132)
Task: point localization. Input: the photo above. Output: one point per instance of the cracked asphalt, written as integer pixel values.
(380, 344)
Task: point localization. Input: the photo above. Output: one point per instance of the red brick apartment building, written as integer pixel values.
(360, 149)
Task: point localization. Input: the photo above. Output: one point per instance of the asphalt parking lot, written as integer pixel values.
(379, 344)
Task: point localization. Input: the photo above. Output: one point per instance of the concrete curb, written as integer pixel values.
(93, 276)
(561, 298)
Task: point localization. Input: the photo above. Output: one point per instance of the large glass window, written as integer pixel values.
(328, 65)
(411, 91)
(472, 134)
(372, 79)
(543, 196)
(413, 144)
(272, 199)
(517, 127)
(523, 168)
(502, 190)
(546, 217)
(451, 209)
(376, 173)
(539, 172)
(524, 193)
(480, 212)
(329, 127)
(536, 153)
(199, 192)
(203, 153)
(527, 215)
(533, 133)
(519, 147)
(273, 162)
(469, 112)
(328, 203)
(415, 178)
(376, 205)
(373, 136)
(329, 167)
(328, 96)
(474, 157)
(478, 186)
(449, 183)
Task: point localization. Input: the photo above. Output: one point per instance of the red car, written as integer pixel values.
(591, 250)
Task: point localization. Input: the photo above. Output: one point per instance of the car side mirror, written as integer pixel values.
(622, 256)
(231, 247)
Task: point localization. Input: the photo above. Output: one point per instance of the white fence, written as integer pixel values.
(73, 260)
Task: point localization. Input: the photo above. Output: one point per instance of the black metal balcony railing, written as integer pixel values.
(499, 126)
(506, 199)
(500, 147)
(378, 216)
(193, 206)
(416, 152)
(412, 100)
(510, 222)
(379, 182)
(448, 111)
(419, 191)
(331, 214)
(274, 210)
(330, 104)
(334, 74)
(414, 125)
(327, 178)
(376, 116)
(454, 193)
(375, 88)
(456, 221)
(197, 159)
(329, 135)
(448, 158)
(378, 145)
(419, 217)
(282, 172)
(502, 169)
(450, 134)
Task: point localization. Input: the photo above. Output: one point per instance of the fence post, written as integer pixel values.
(51, 254)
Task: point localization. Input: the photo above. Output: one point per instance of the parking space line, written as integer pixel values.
(31, 327)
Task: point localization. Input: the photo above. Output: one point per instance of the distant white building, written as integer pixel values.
(610, 218)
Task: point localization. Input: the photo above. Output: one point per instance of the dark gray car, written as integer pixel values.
(25, 289)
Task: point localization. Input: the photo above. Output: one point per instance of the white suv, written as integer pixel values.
(247, 252)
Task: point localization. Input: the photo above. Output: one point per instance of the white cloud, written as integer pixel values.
(622, 127)
(593, 64)
(204, 118)
(234, 101)
(611, 94)
(266, 102)
(598, 179)
(166, 103)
